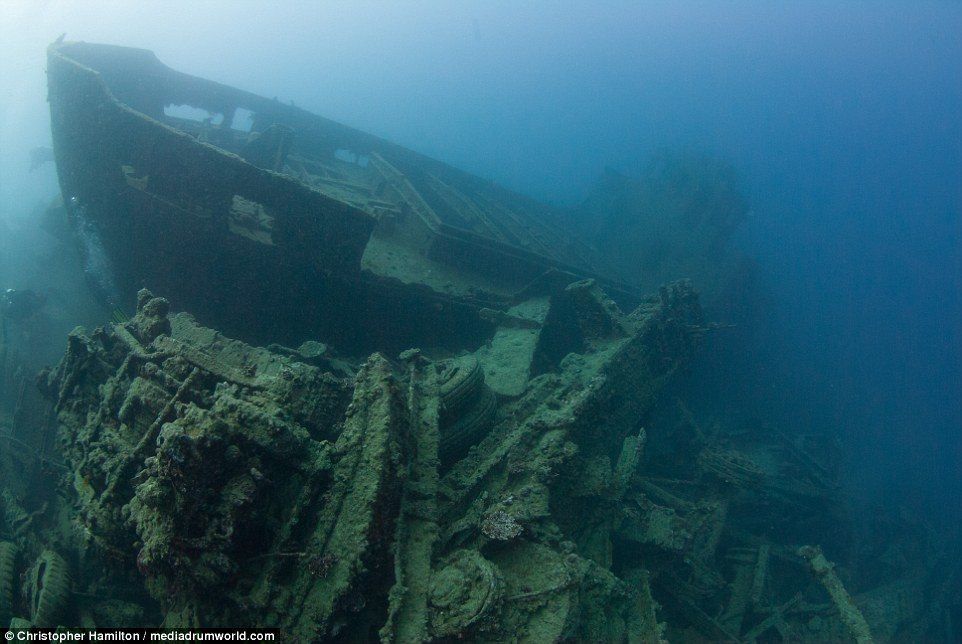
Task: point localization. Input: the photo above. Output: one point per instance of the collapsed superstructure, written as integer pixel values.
(461, 424)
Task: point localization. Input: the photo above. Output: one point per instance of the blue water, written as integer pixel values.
(842, 118)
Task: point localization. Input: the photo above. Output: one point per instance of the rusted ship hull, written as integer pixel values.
(288, 226)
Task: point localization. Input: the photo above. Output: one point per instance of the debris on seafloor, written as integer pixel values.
(824, 570)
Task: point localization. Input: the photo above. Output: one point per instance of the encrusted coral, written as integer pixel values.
(501, 526)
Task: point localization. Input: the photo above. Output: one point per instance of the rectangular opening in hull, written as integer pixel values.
(243, 120)
(191, 113)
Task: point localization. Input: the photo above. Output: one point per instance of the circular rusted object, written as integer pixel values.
(464, 591)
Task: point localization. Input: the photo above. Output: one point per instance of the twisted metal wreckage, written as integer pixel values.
(519, 477)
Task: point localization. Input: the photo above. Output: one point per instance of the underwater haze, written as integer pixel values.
(842, 119)
(832, 131)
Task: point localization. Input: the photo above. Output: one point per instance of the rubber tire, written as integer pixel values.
(51, 595)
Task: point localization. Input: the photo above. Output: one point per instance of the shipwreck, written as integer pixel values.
(365, 396)
(401, 494)
(259, 216)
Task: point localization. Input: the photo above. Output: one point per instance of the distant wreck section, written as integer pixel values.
(262, 218)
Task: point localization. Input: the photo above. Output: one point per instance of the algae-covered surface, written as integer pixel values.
(201, 481)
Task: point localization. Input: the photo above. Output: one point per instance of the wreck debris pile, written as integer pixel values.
(223, 484)
(849, 612)
(244, 485)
